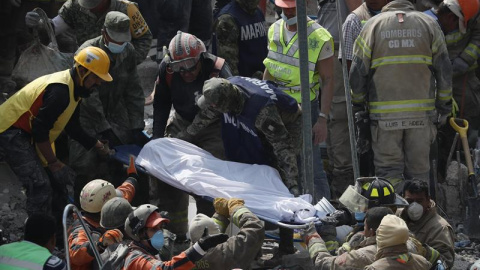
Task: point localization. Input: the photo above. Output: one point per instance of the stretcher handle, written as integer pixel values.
(460, 126)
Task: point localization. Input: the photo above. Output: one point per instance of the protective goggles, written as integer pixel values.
(185, 65)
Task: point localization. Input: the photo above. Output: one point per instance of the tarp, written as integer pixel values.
(194, 170)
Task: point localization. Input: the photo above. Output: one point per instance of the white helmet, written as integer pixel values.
(475, 265)
(95, 194)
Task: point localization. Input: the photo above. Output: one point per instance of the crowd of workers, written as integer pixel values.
(232, 88)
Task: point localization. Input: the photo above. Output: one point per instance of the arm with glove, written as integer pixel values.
(127, 189)
(240, 250)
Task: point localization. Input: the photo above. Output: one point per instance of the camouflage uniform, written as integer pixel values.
(116, 107)
(87, 25)
(280, 130)
(243, 52)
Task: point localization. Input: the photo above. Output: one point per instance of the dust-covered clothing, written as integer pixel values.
(358, 258)
(435, 231)
(398, 258)
(87, 25)
(262, 127)
(79, 247)
(409, 44)
(239, 250)
(241, 39)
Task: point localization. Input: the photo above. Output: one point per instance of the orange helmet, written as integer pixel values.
(285, 3)
(464, 10)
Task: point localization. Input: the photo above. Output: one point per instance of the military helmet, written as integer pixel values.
(95, 194)
(144, 216)
(114, 213)
(379, 192)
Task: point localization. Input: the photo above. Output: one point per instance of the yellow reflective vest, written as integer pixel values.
(22, 102)
(283, 60)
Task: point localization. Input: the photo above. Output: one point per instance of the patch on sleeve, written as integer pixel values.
(138, 25)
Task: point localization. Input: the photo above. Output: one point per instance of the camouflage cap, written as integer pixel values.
(89, 4)
(216, 93)
(117, 25)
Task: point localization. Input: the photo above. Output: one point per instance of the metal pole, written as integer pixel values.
(348, 99)
(66, 211)
(307, 161)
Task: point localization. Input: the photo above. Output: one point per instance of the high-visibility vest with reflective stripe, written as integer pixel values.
(283, 60)
(399, 52)
(21, 103)
(23, 255)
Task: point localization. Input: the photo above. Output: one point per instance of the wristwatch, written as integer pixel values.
(320, 114)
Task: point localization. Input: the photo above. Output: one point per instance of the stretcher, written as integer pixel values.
(195, 171)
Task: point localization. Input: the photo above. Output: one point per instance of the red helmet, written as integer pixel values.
(184, 51)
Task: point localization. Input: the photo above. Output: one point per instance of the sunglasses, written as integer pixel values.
(183, 66)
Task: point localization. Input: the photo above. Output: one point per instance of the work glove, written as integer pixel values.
(363, 133)
(65, 175)
(104, 151)
(138, 137)
(459, 66)
(309, 233)
(234, 204)
(327, 231)
(221, 206)
(294, 191)
(16, 3)
(110, 237)
(109, 136)
(339, 217)
(131, 170)
(32, 19)
(209, 241)
(442, 119)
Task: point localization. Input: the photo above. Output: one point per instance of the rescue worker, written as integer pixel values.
(241, 37)
(179, 83)
(115, 112)
(338, 140)
(358, 258)
(33, 118)
(86, 19)
(282, 67)
(35, 251)
(392, 252)
(239, 251)
(403, 108)
(92, 198)
(260, 125)
(425, 223)
(460, 22)
(145, 227)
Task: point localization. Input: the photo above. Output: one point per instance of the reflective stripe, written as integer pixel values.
(296, 88)
(316, 248)
(363, 45)
(358, 98)
(237, 214)
(276, 37)
(453, 38)
(294, 48)
(222, 225)
(436, 44)
(472, 50)
(402, 59)
(434, 255)
(331, 245)
(292, 61)
(8, 261)
(402, 106)
(445, 94)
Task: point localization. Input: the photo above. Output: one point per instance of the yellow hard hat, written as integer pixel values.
(95, 60)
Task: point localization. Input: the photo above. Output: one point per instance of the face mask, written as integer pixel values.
(415, 211)
(288, 21)
(115, 48)
(157, 240)
(359, 217)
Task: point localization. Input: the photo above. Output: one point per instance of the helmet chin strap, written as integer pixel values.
(82, 78)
